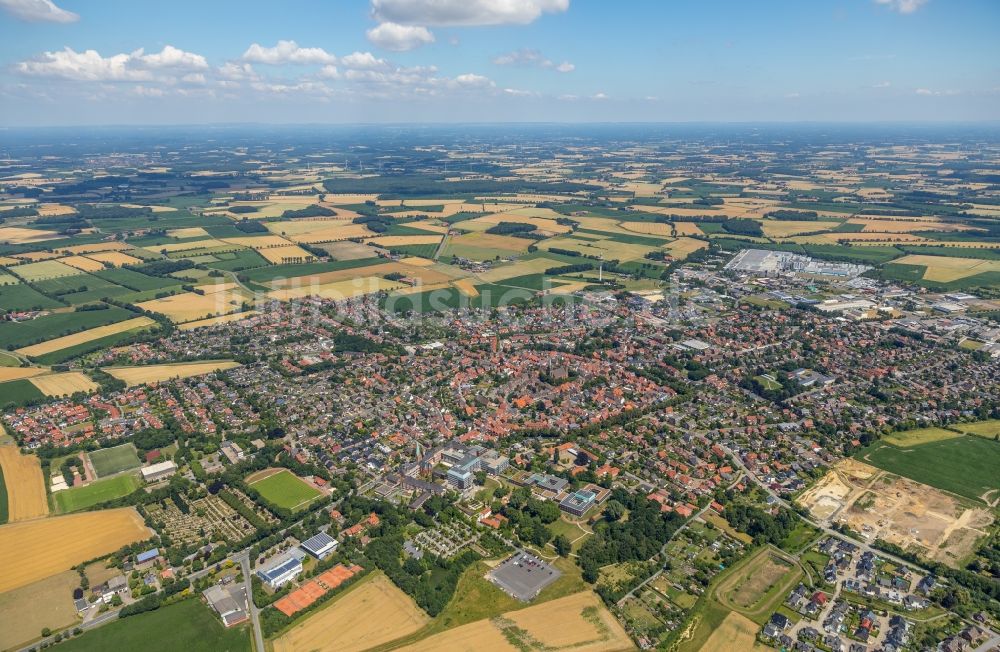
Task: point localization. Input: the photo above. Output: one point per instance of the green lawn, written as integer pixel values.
(187, 626)
(966, 466)
(109, 461)
(988, 429)
(287, 490)
(71, 500)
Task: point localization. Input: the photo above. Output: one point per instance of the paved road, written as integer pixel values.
(258, 636)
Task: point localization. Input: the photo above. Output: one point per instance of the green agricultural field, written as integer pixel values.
(57, 357)
(99, 491)
(18, 334)
(109, 461)
(18, 392)
(187, 626)
(135, 281)
(285, 489)
(24, 297)
(4, 513)
(966, 466)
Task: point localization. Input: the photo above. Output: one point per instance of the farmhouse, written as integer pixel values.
(320, 546)
(229, 607)
(282, 571)
(156, 472)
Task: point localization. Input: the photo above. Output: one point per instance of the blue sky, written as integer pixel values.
(69, 62)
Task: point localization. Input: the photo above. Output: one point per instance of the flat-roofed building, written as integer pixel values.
(155, 472)
(320, 546)
(281, 572)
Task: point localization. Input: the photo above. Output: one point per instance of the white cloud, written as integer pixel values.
(599, 96)
(883, 84)
(194, 78)
(464, 12)
(287, 52)
(516, 92)
(171, 57)
(329, 72)
(38, 11)
(399, 38)
(233, 71)
(472, 79)
(793, 95)
(146, 91)
(363, 61)
(926, 91)
(534, 58)
(903, 6)
(89, 65)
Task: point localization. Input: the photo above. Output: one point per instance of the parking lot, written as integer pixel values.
(523, 576)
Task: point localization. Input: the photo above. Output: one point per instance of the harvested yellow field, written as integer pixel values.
(542, 224)
(8, 261)
(605, 224)
(287, 254)
(681, 248)
(94, 247)
(338, 290)
(212, 321)
(63, 384)
(429, 226)
(489, 241)
(18, 235)
(650, 228)
(351, 199)
(186, 246)
(259, 242)
(943, 269)
(609, 249)
(16, 373)
(50, 209)
(519, 268)
(22, 475)
(578, 622)
(402, 240)
(466, 287)
(422, 272)
(82, 263)
(189, 306)
(737, 632)
(37, 255)
(88, 335)
(311, 231)
(907, 226)
(687, 228)
(189, 232)
(416, 260)
(785, 228)
(348, 624)
(116, 258)
(25, 611)
(36, 549)
(347, 250)
(154, 373)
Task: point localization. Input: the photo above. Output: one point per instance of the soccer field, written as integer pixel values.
(284, 489)
(71, 500)
(109, 461)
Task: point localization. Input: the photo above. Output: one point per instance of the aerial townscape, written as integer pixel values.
(514, 387)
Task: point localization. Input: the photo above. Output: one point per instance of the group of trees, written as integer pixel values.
(761, 525)
(638, 538)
